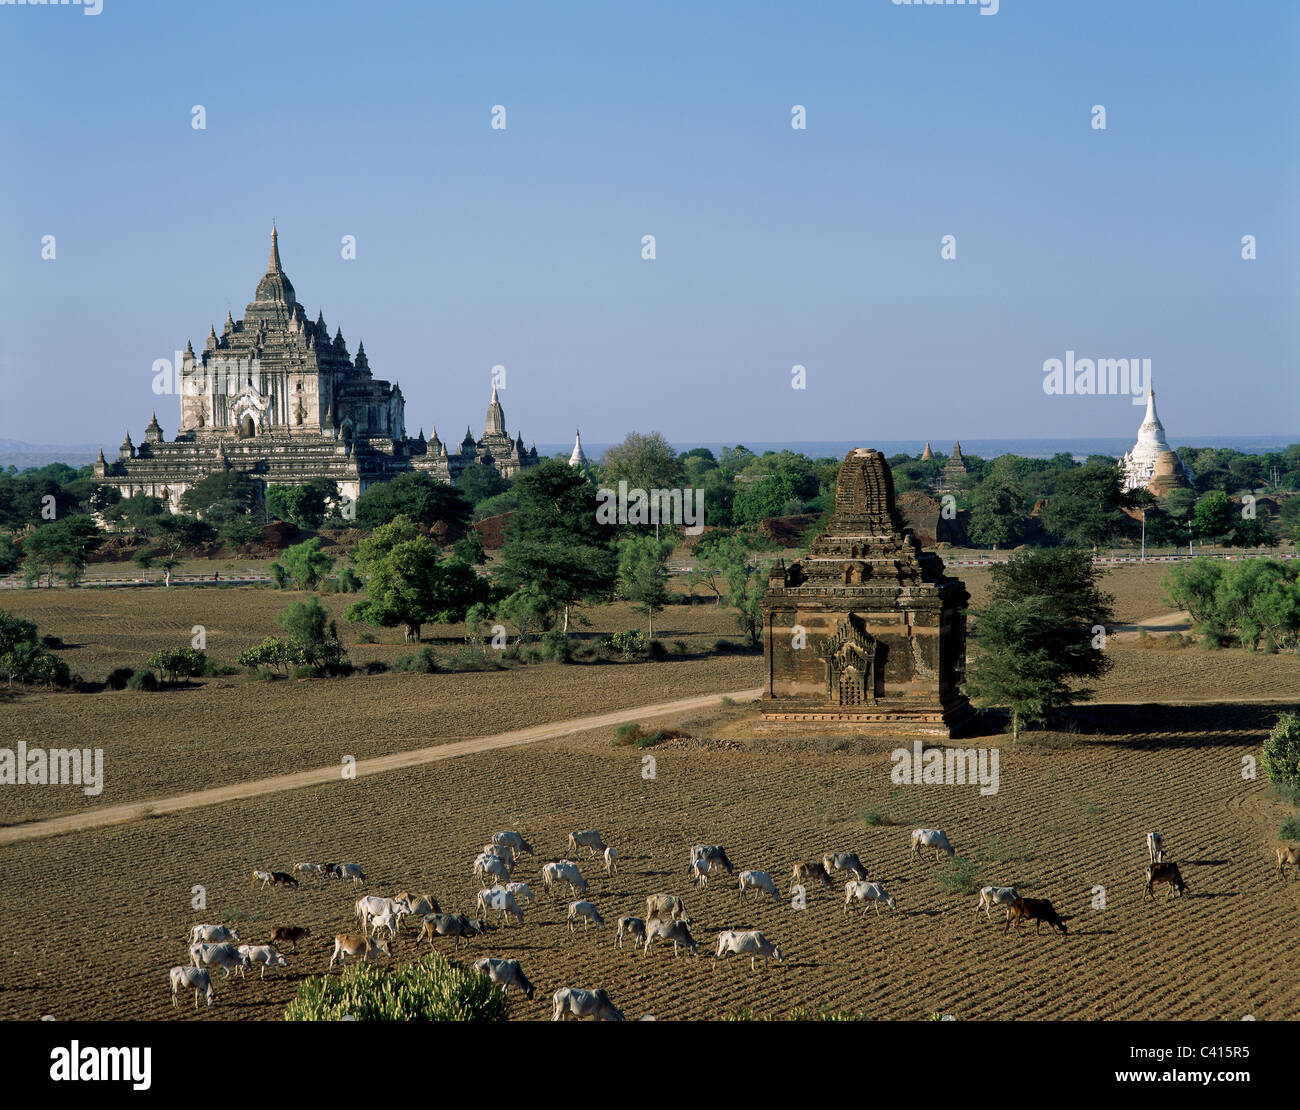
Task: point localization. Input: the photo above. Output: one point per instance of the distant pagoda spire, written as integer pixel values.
(927, 454)
(577, 458)
(273, 266)
(496, 417)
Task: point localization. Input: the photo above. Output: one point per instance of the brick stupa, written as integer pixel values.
(866, 630)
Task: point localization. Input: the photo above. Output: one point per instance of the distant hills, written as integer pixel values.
(14, 452)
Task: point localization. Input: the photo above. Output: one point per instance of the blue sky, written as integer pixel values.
(775, 246)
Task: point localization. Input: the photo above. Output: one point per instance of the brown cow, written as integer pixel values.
(1036, 910)
(1288, 856)
(1165, 873)
(290, 933)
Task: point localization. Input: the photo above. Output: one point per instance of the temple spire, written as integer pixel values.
(273, 267)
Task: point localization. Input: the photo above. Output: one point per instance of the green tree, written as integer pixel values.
(1088, 506)
(1281, 757)
(469, 549)
(1214, 515)
(555, 547)
(734, 559)
(234, 490)
(306, 565)
(24, 659)
(997, 512)
(409, 584)
(304, 506)
(313, 634)
(173, 663)
(9, 555)
(644, 462)
(62, 545)
(1037, 636)
(478, 483)
(643, 574)
(768, 496)
(419, 497)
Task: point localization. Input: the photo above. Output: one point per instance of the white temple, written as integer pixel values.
(1152, 457)
(577, 458)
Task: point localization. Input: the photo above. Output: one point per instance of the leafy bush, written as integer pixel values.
(630, 643)
(627, 733)
(555, 645)
(348, 582)
(433, 989)
(424, 661)
(118, 678)
(1282, 751)
(174, 663)
(271, 652)
(142, 680)
(24, 659)
(314, 636)
(958, 876)
(1290, 829)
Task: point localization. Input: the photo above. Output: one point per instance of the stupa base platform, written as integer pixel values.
(883, 717)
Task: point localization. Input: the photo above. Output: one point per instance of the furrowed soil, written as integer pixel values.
(1067, 823)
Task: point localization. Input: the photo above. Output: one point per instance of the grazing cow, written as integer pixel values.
(505, 974)
(807, 872)
(522, 892)
(345, 871)
(372, 905)
(348, 944)
(1288, 856)
(996, 895)
(611, 861)
(263, 877)
(513, 840)
(1155, 847)
(713, 855)
(451, 925)
(867, 892)
(1165, 873)
(392, 921)
(225, 956)
(931, 838)
(762, 883)
(262, 954)
(494, 867)
(665, 906)
(700, 872)
(587, 911)
(499, 898)
(418, 905)
(746, 942)
(1036, 910)
(565, 871)
(309, 868)
(584, 1004)
(290, 933)
(194, 977)
(844, 861)
(274, 878)
(213, 934)
(506, 852)
(587, 838)
(633, 927)
(676, 931)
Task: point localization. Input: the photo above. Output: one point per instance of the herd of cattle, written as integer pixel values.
(381, 919)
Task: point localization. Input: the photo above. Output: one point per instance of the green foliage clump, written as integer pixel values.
(958, 876)
(176, 663)
(631, 643)
(433, 989)
(24, 658)
(313, 636)
(424, 661)
(1281, 756)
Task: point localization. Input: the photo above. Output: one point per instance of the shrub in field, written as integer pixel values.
(958, 876)
(555, 645)
(799, 1013)
(424, 661)
(1290, 829)
(1282, 751)
(142, 680)
(627, 734)
(433, 989)
(23, 658)
(630, 643)
(270, 653)
(176, 663)
(118, 678)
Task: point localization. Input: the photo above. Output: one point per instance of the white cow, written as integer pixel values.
(700, 872)
(665, 906)
(1155, 847)
(501, 899)
(513, 840)
(502, 851)
(194, 977)
(213, 934)
(996, 895)
(309, 868)
(522, 892)
(505, 974)
(633, 927)
(372, 905)
(713, 855)
(587, 838)
(587, 911)
(565, 871)
(262, 954)
(611, 861)
(350, 871)
(676, 931)
(225, 956)
(746, 942)
(931, 838)
(584, 1004)
(762, 883)
(844, 861)
(486, 866)
(864, 893)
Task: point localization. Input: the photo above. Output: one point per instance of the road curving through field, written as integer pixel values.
(319, 776)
